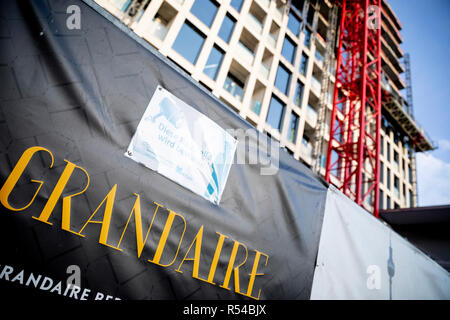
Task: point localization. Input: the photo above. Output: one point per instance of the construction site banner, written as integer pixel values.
(360, 257)
(81, 219)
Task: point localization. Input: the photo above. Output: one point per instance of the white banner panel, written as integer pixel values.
(360, 257)
(183, 145)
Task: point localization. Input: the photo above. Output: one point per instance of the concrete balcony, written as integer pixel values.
(311, 116)
(327, 131)
(233, 88)
(272, 40)
(306, 151)
(320, 59)
(244, 54)
(264, 3)
(159, 30)
(254, 24)
(264, 70)
(396, 193)
(320, 39)
(278, 14)
(316, 86)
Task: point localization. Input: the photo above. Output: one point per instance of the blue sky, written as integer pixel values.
(426, 37)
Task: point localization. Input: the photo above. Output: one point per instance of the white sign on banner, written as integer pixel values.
(183, 145)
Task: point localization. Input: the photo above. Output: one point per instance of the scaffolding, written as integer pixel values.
(319, 132)
(410, 111)
(409, 97)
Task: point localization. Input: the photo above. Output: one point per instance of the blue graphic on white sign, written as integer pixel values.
(183, 145)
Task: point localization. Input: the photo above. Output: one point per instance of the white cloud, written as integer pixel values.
(444, 144)
(433, 177)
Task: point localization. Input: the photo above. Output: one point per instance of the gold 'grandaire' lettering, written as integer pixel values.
(233, 267)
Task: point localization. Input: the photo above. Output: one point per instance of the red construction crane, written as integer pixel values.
(353, 149)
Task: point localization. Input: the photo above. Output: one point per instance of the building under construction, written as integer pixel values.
(115, 162)
(275, 63)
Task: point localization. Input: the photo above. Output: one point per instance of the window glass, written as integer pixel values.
(388, 178)
(293, 23)
(213, 64)
(205, 10)
(234, 86)
(411, 200)
(282, 79)
(384, 122)
(303, 64)
(275, 114)
(256, 107)
(189, 43)
(237, 4)
(298, 94)
(396, 137)
(288, 50)
(305, 140)
(227, 28)
(307, 40)
(292, 131)
(388, 155)
(298, 5)
(381, 202)
(310, 16)
(407, 146)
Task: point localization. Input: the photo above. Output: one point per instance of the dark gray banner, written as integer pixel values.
(75, 210)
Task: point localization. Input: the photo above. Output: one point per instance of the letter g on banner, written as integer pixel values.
(16, 173)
